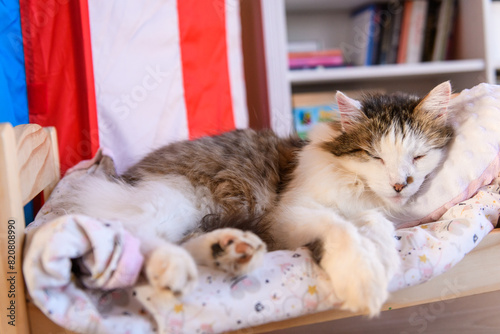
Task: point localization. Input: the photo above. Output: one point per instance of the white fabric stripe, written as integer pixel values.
(138, 76)
(235, 63)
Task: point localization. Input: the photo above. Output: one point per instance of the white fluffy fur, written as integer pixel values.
(160, 213)
(166, 208)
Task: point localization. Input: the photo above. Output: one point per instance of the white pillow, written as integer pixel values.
(473, 158)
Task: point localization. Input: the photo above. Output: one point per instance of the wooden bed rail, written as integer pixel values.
(29, 164)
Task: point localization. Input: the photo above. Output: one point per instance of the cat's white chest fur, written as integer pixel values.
(321, 180)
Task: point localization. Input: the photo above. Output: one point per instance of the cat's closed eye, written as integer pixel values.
(374, 157)
(418, 157)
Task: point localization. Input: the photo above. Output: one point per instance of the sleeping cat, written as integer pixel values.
(190, 202)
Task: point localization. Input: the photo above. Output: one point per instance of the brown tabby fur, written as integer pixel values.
(244, 170)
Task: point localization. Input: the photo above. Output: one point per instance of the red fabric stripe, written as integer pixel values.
(207, 90)
(59, 74)
(89, 76)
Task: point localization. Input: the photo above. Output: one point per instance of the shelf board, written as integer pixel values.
(342, 74)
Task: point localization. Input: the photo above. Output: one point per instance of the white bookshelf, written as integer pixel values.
(327, 21)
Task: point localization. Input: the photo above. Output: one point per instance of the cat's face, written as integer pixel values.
(391, 143)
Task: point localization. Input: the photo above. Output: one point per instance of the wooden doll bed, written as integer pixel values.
(29, 165)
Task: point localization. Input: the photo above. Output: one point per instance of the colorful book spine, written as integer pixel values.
(413, 32)
(325, 58)
(405, 28)
(361, 46)
(416, 32)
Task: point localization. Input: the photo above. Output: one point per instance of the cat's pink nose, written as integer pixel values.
(399, 186)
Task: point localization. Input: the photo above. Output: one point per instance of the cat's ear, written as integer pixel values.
(436, 103)
(350, 111)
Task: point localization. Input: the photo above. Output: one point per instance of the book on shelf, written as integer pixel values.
(413, 31)
(403, 35)
(312, 108)
(377, 31)
(362, 46)
(386, 23)
(398, 31)
(431, 30)
(313, 59)
(395, 12)
(445, 28)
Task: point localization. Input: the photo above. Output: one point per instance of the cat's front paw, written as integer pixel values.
(171, 268)
(358, 275)
(375, 227)
(236, 252)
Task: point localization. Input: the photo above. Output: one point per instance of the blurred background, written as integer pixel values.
(134, 75)
(313, 48)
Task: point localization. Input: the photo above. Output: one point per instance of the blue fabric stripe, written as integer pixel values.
(13, 94)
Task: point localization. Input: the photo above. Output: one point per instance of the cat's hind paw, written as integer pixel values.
(231, 250)
(237, 252)
(171, 268)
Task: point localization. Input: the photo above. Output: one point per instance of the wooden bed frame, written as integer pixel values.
(29, 165)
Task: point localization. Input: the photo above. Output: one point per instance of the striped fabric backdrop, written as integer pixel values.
(130, 75)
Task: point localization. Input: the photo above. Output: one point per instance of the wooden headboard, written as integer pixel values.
(29, 165)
